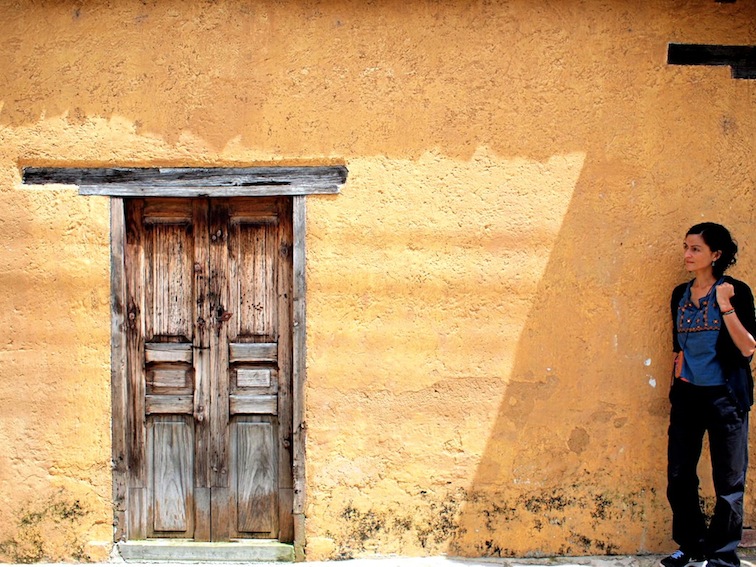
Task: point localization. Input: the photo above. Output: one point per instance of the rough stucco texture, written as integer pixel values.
(488, 344)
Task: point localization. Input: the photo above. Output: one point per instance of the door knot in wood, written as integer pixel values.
(199, 415)
(133, 315)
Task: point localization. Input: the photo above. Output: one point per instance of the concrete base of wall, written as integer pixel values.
(217, 552)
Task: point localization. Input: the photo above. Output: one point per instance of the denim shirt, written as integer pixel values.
(698, 330)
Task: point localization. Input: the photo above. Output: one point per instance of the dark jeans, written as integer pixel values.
(696, 410)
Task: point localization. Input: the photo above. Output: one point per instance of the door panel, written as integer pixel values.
(255, 469)
(252, 250)
(169, 282)
(259, 308)
(169, 253)
(209, 364)
(170, 441)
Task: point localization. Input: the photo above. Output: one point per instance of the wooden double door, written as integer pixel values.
(209, 368)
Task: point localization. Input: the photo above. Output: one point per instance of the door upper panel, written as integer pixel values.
(253, 256)
(169, 274)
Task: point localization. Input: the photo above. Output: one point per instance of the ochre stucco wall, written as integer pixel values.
(488, 343)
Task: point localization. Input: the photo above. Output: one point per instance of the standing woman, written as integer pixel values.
(713, 338)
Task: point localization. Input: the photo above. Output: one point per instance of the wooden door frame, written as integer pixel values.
(119, 183)
(119, 379)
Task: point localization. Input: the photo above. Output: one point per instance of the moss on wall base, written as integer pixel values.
(48, 529)
(482, 523)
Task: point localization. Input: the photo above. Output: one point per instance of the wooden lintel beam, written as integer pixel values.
(192, 181)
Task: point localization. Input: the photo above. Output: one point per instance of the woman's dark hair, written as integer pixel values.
(717, 238)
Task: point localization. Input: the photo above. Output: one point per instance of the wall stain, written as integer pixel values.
(603, 504)
(435, 525)
(41, 527)
(552, 513)
(442, 521)
(362, 526)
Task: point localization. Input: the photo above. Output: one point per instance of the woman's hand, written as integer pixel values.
(725, 292)
(740, 336)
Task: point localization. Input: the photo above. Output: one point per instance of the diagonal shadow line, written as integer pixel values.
(554, 478)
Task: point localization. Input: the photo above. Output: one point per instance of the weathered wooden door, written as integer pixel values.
(209, 354)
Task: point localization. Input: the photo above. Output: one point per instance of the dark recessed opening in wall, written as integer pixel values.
(740, 58)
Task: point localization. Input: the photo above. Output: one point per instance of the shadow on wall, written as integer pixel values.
(576, 459)
(572, 463)
(392, 78)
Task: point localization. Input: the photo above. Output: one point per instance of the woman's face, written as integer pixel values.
(698, 256)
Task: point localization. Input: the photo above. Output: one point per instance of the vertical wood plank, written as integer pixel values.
(137, 513)
(257, 286)
(299, 353)
(120, 524)
(170, 279)
(220, 506)
(135, 328)
(282, 253)
(181, 280)
(236, 278)
(202, 512)
(159, 281)
(266, 277)
(219, 406)
(254, 460)
(202, 369)
(286, 518)
(148, 276)
(300, 541)
(118, 367)
(201, 345)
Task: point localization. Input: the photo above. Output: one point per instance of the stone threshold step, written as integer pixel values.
(182, 551)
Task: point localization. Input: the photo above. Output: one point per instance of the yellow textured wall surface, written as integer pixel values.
(54, 390)
(488, 341)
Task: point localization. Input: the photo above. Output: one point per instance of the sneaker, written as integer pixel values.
(681, 559)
